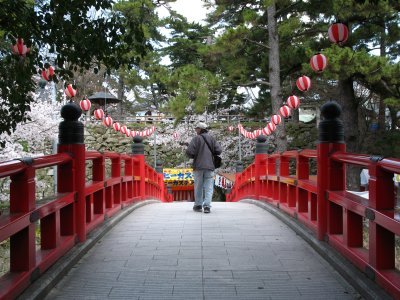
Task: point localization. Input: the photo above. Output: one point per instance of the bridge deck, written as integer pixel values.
(167, 251)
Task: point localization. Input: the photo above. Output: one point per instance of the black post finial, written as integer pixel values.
(331, 127)
(159, 167)
(261, 145)
(239, 167)
(70, 130)
(138, 146)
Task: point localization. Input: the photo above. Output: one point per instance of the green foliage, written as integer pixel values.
(192, 88)
(302, 135)
(25, 145)
(393, 102)
(80, 38)
(382, 143)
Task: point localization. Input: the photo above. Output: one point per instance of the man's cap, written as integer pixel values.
(201, 125)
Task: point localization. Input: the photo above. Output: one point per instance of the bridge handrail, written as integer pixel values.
(333, 213)
(55, 221)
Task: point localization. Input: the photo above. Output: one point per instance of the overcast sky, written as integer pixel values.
(193, 10)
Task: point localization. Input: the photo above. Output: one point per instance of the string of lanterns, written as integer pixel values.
(108, 122)
(338, 33)
(48, 74)
(99, 114)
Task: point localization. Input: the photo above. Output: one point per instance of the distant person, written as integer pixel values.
(203, 166)
(147, 115)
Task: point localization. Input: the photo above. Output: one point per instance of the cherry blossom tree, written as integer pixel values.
(31, 138)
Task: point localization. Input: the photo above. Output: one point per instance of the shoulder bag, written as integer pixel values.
(216, 158)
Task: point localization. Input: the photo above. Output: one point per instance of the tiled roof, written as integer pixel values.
(229, 176)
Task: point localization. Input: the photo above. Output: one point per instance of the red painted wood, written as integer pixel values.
(322, 203)
(75, 210)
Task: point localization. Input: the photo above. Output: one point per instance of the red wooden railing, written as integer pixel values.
(322, 203)
(76, 209)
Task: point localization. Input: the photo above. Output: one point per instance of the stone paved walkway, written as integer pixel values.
(167, 251)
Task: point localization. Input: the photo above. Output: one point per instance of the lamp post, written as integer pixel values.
(155, 148)
(240, 143)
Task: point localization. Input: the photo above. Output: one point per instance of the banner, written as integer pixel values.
(178, 177)
(223, 182)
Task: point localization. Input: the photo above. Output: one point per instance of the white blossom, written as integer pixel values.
(32, 138)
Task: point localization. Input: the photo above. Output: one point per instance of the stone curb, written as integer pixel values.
(46, 282)
(365, 286)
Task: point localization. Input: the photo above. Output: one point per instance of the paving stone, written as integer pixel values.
(166, 251)
(182, 274)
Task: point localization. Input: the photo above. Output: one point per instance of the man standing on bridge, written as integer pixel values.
(203, 166)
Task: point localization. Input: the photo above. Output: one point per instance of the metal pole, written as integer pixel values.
(240, 145)
(155, 148)
(55, 139)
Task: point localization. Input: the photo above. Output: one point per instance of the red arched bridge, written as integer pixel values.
(165, 250)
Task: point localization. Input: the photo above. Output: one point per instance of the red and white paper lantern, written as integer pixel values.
(303, 83)
(266, 130)
(271, 126)
(293, 102)
(70, 91)
(123, 129)
(85, 104)
(255, 133)
(117, 126)
(47, 74)
(108, 121)
(276, 119)
(338, 33)
(99, 114)
(20, 48)
(318, 62)
(128, 132)
(285, 111)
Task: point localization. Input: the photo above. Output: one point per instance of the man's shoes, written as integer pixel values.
(197, 208)
(206, 209)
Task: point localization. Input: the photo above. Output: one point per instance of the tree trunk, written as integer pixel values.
(274, 76)
(382, 106)
(349, 105)
(295, 115)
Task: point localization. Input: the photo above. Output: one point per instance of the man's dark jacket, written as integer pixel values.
(201, 154)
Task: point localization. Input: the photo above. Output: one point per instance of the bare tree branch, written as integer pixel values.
(254, 83)
(257, 43)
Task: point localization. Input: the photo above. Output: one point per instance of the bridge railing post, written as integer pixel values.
(260, 165)
(115, 173)
(239, 170)
(330, 175)
(22, 200)
(382, 242)
(163, 192)
(138, 153)
(73, 177)
(283, 172)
